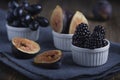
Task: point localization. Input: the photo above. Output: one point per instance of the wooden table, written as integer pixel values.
(112, 28)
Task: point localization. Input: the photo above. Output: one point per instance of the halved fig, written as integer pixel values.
(56, 20)
(49, 59)
(78, 18)
(24, 48)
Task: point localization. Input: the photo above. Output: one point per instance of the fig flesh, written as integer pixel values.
(24, 48)
(49, 59)
(57, 19)
(78, 18)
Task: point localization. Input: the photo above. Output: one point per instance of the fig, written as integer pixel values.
(49, 59)
(60, 20)
(56, 20)
(77, 18)
(102, 10)
(23, 48)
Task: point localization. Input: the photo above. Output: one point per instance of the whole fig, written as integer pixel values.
(102, 10)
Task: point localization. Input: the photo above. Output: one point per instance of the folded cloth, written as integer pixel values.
(69, 70)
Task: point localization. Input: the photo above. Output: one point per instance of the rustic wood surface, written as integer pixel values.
(112, 28)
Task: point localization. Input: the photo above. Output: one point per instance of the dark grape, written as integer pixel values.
(25, 3)
(34, 9)
(13, 4)
(10, 17)
(19, 12)
(34, 25)
(27, 19)
(43, 22)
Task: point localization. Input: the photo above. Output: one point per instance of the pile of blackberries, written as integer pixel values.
(24, 14)
(85, 39)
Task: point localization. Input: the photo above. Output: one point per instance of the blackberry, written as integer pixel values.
(82, 30)
(100, 29)
(104, 43)
(87, 43)
(95, 43)
(83, 25)
(97, 38)
(97, 35)
(81, 34)
(83, 38)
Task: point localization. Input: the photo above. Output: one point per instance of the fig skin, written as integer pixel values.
(60, 20)
(102, 10)
(54, 64)
(21, 54)
(66, 21)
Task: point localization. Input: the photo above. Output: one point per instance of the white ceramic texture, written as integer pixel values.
(22, 32)
(62, 41)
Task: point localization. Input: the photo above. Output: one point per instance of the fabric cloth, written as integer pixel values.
(69, 69)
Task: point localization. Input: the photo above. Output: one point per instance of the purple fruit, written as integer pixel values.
(19, 12)
(66, 21)
(43, 22)
(102, 10)
(10, 17)
(25, 3)
(13, 4)
(34, 25)
(27, 19)
(34, 9)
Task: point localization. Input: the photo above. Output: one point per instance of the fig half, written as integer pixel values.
(56, 20)
(78, 18)
(49, 59)
(24, 48)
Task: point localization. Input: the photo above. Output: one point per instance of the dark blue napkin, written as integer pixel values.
(69, 70)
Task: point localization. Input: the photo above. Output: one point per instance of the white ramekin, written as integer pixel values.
(62, 41)
(90, 57)
(22, 32)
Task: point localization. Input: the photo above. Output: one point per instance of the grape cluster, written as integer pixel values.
(23, 14)
(85, 39)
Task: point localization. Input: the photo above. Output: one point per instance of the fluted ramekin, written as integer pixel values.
(22, 32)
(90, 57)
(62, 41)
